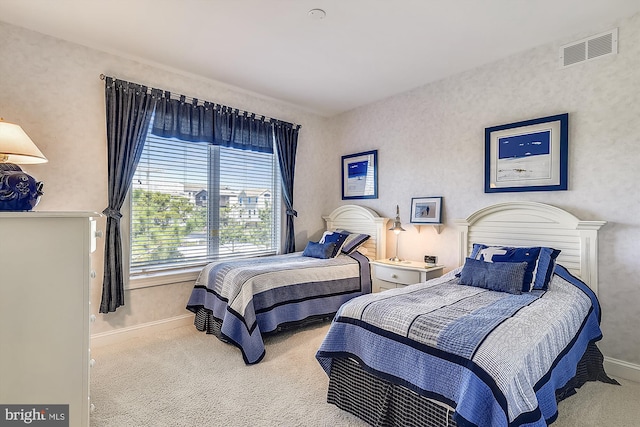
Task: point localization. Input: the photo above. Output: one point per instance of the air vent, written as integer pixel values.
(589, 48)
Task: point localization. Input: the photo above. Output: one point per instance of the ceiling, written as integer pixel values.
(360, 52)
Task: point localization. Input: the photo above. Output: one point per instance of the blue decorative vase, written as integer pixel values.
(18, 190)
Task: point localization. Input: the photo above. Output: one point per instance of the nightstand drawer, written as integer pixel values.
(397, 275)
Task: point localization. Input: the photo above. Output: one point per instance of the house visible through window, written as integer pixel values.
(192, 203)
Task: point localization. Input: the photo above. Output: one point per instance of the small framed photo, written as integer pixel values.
(527, 156)
(360, 175)
(426, 210)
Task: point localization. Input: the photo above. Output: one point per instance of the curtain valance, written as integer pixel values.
(188, 121)
(211, 123)
(177, 116)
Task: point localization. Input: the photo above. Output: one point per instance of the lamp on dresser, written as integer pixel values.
(19, 191)
(397, 228)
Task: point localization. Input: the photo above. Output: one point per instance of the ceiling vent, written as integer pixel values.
(593, 47)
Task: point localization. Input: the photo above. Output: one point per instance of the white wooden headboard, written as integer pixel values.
(359, 219)
(535, 224)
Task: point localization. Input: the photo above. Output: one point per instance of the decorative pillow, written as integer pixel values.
(334, 237)
(496, 276)
(541, 261)
(545, 268)
(353, 241)
(509, 254)
(319, 250)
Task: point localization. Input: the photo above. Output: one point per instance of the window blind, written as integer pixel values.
(192, 203)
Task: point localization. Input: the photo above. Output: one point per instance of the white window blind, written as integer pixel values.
(192, 203)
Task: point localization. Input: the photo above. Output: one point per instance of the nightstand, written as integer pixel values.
(390, 274)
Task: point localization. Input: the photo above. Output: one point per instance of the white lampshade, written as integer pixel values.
(16, 146)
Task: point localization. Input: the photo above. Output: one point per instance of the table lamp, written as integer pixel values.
(19, 191)
(397, 228)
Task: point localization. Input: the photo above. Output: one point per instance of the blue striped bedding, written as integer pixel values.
(254, 296)
(497, 358)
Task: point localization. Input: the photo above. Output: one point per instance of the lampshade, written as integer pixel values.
(16, 146)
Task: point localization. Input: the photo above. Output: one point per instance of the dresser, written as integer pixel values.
(45, 274)
(394, 274)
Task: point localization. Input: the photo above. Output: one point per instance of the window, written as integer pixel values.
(192, 203)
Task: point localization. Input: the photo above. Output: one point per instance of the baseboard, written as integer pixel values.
(622, 369)
(144, 329)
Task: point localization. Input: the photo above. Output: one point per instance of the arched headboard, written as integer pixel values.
(359, 219)
(535, 224)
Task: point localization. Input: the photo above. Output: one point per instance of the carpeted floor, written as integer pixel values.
(186, 378)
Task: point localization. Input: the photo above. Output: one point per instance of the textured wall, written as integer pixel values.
(431, 143)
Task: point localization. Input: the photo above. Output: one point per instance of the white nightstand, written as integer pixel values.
(390, 274)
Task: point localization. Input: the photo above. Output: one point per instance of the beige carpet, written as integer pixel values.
(186, 378)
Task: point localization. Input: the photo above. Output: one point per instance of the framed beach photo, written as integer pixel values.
(527, 156)
(426, 210)
(360, 175)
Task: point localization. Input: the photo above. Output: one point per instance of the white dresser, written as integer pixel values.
(45, 273)
(395, 274)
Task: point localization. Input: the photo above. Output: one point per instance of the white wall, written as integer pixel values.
(430, 142)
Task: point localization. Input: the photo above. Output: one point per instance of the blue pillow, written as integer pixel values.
(510, 254)
(353, 241)
(546, 266)
(496, 276)
(319, 250)
(541, 266)
(337, 238)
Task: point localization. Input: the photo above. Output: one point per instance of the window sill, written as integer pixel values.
(140, 281)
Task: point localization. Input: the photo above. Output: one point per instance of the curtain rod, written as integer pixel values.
(191, 99)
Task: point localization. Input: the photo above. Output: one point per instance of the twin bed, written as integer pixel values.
(239, 301)
(440, 353)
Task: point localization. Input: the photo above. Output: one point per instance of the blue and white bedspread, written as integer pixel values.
(250, 297)
(497, 358)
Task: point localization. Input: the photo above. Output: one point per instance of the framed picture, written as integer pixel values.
(426, 210)
(360, 175)
(527, 156)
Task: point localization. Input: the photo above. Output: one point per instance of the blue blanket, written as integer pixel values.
(254, 296)
(497, 358)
